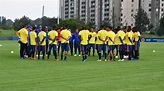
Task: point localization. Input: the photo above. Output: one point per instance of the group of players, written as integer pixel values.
(107, 43)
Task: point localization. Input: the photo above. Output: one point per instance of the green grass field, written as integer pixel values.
(7, 33)
(73, 75)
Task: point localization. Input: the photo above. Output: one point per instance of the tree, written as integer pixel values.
(106, 23)
(18, 23)
(72, 24)
(90, 25)
(141, 20)
(161, 27)
(5, 24)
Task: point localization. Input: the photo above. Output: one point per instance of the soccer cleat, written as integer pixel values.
(122, 60)
(22, 58)
(119, 60)
(32, 58)
(56, 59)
(99, 60)
(110, 60)
(105, 60)
(75, 55)
(79, 55)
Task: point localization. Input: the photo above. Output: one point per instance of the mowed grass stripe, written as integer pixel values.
(74, 75)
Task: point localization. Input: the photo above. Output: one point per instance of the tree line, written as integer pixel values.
(142, 22)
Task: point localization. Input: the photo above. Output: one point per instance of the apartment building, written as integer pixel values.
(129, 8)
(87, 10)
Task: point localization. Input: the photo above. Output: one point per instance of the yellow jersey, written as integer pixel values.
(66, 34)
(52, 34)
(129, 35)
(111, 35)
(84, 36)
(102, 34)
(93, 37)
(33, 37)
(136, 36)
(97, 41)
(121, 34)
(42, 35)
(23, 35)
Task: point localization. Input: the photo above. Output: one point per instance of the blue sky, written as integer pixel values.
(32, 8)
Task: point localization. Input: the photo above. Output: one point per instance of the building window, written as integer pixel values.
(132, 10)
(92, 10)
(132, 0)
(121, 14)
(66, 16)
(83, 3)
(83, 7)
(132, 5)
(149, 9)
(121, 19)
(149, 5)
(122, 0)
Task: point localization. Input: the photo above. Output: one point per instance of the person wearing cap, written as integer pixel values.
(33, 41)
(23, 35)
(71, 44)
(76, 42)
(29, 28)
(47, 40)
(37, 32)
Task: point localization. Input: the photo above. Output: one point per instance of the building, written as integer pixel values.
(68, 9)
(129, 8)
(154, 10)
(87, 10)
(116, 12)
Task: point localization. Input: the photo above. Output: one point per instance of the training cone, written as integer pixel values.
(12, 52)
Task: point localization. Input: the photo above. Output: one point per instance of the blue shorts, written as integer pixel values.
(129, 48)
(42, 48)
(91, 46)
(137, 46)
(102, 47)
(33, 48)
(111, 47)
(121, 47)
(83, 48)
(65, 47)
(52, 46)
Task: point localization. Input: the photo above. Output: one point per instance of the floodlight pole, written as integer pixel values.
(42, 14)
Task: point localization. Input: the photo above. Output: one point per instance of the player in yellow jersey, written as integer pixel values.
(102, 36)
(111, 44)
(42, 43)
(129, 42)
(97, 42)
(137, 38)
(52, 36)
(33, 40)
(23, 35)
(120, 36)
(92, 41)
(84, 36)
(66, 34)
